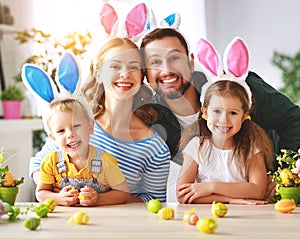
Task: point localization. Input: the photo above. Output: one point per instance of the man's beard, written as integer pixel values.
(174, 93)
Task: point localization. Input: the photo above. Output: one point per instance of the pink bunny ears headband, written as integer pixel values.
(138, 21)
(68, 80)
(235, 60)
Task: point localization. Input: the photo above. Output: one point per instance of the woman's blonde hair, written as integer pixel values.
(246, 141)
(93, 90)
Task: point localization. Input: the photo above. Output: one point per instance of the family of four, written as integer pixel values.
(221, 125)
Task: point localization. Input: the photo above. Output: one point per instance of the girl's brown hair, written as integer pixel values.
(246, 141)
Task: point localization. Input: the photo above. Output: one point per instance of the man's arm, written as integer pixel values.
(274, 111)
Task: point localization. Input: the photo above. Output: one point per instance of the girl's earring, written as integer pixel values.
(203, 117)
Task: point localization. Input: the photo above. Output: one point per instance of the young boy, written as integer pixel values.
(78, 172)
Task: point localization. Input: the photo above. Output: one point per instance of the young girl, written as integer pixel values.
(78, 172)
(226, 155)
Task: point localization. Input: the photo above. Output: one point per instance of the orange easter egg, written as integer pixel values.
(285, 205)
(8, 179)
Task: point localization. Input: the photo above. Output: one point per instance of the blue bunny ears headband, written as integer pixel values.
(135, 24)
(68, 81)
(235, 65)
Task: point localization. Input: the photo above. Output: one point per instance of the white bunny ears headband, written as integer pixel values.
(235, 60)
(137, 22)
(68, 80)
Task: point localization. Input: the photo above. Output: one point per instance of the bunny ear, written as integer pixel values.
(151, 24)
(236, 58)
(68, 73)
(136, 21)
(209, 57)
(173, 20)
(38, 82)
(108, 19)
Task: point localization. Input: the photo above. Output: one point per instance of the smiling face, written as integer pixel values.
(225, 116)
(168, 69)
(121, 72)
(71, 131)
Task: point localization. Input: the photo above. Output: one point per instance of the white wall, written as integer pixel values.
(265, 25)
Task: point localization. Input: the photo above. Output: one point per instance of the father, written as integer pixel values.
(170, 71)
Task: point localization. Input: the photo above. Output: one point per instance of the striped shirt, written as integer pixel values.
(144, 163)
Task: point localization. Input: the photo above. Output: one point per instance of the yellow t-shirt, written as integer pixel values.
(110, 174)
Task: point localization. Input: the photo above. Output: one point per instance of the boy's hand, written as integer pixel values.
(88, 196)
(68, 196)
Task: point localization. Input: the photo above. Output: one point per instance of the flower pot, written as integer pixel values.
(290, 193)
(9, 194)
(12, 109)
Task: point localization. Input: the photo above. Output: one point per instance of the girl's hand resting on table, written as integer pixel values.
(190, 191)
(247, 201)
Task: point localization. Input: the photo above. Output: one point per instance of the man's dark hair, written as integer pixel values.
(160, 33)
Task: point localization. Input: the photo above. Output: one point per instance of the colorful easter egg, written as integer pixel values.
(190, 217)
(154, 205)
(41, 210)
(4, 208)
(50, 204)
(207, 225)
(218, 209)
(8, 179)
(81, 197)
(285, 205)
(80, 218)
(166, 213)
(32, 223)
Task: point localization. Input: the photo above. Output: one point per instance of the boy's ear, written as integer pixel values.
(51, 136)
(91, 130)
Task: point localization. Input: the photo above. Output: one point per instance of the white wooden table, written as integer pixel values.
(134, 221)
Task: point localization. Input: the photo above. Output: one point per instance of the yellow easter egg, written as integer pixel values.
(50, 204)
(80, 218)
(166, 213)
(207, 224)
(218, 209)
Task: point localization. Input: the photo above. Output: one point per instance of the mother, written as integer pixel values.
(114, 91)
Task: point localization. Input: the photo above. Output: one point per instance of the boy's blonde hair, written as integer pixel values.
(65, 105)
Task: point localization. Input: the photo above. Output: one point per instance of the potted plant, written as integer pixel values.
(287, 176)
(8, 184)
(12, 97)
(290, 69)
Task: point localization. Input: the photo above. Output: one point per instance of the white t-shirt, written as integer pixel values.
(214, 166)
(185, 121)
